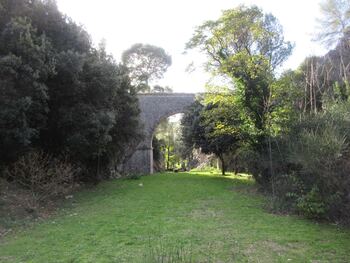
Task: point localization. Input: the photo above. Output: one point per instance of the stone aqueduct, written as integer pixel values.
(154, 108)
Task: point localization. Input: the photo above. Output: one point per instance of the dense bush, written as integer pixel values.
(315, 155)
(58, 92)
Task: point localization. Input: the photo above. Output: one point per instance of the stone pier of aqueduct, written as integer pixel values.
(154, 108)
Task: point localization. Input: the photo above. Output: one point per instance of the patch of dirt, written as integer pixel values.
(206, 210)
(275, 247)
(251, 190)
(7, 259)
(17, 207)
(205, 213)
(268, 245)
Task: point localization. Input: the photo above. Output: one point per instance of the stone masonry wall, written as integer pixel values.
(154, 108)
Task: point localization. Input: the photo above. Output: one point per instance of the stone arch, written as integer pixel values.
(154, 107)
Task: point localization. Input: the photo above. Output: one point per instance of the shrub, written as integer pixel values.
(287, 189)
(133, 176)
(318, 150)
(42, 175)
(256, 163)
(313, 165)
(312, 204)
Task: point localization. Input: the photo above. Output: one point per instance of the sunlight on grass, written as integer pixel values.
(175, 217)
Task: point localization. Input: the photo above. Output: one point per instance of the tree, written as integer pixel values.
(168, 140)
(213, 127)
(245, 45)
(25, 64)
(94, 110)
(334, 31)
(60, 94)
(49, 21)
(160, 89)
(335, 21)
(145, 63)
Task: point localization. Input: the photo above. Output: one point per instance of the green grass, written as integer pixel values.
(184, 217)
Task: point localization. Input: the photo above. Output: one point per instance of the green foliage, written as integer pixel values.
(288, 189)
(313, 143)
(335, 21)
(168, 144)
(214, 127)
(291, 133)
(317, 150)
(145, 63)
(315, 154)
(326, 78)
(245, 45)
(134, 176)
(287, 100)
(60, 93)
(25, 65)
(97, 116)
(311, 204)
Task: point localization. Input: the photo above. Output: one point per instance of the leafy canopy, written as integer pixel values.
(335, 21)
(58, 92)
(145, 63)
(243, 40)
(247, 46)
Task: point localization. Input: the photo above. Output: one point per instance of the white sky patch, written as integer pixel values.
(176, 117)
(170, 24)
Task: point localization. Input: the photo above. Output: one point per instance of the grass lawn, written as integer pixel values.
(184, 217)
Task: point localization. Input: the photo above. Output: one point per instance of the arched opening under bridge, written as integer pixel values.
(154, 108)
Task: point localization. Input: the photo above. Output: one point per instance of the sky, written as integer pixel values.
(171, 23)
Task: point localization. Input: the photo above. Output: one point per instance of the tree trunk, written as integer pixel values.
(167, 159)
(235, 168)
(223, 167)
